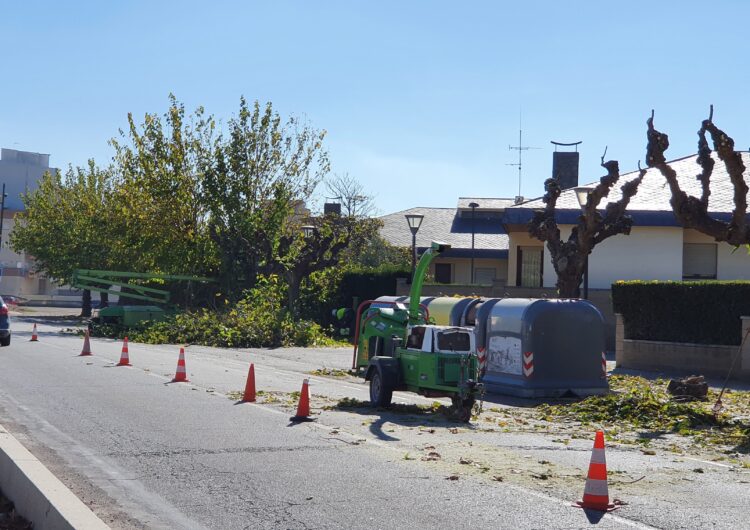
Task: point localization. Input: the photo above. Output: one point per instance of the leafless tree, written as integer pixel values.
(355, 202)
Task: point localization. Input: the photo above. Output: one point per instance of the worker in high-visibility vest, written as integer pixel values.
(344, 316)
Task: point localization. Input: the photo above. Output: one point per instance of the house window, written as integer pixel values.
(530, 266)
(699, 261)
(484, 276)
(443, 273)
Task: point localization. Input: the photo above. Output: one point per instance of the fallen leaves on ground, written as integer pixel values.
(638, 405)
(330, 372)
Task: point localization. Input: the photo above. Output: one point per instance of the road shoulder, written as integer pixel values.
(37, 494)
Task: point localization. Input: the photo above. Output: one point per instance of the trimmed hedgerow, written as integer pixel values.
(700, 312)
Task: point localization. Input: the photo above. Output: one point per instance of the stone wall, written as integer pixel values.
(700, 359)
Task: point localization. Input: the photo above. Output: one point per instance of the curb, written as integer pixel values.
(38, 495)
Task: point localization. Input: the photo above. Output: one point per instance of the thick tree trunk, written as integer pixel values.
(86, 303)
(293, 283)
(569, 267)
(568, 286)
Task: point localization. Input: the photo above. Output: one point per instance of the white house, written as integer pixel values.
(658, 248)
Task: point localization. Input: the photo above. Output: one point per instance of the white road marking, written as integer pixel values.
(707, 462)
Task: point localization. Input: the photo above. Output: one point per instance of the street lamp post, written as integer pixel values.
(415, 221)
(2, 214)
(582, 194)
(473, 207)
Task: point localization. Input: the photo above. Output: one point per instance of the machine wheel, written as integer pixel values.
(5, 341)
(462, 408)
(380, 396)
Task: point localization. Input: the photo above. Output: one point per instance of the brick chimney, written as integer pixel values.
(565, 165)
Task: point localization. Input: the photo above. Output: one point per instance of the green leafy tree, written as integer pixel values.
(158, 205)
(62, 225)
(376, 252)
(256, 190)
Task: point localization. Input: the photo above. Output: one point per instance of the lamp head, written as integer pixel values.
(582, 194)
(415, 221)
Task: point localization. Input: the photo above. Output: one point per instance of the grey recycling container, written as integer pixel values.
(544, 348)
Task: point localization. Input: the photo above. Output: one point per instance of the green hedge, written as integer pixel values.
(700, 312)
(369, 284)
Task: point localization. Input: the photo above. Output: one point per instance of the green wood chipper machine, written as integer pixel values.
(400, 348)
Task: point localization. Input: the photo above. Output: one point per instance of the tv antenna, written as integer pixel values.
(520, 148)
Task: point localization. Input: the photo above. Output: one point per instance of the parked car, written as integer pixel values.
(14, 300)
(4, 324)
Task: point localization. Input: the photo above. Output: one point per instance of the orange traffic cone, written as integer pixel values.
(303, 407)
(86, 345)
(124, 357)
(34, 338)
(181, 375)
(595, 493)
(250, 385)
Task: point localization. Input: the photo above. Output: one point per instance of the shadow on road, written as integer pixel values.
(437, 416)
(594, 516)
(52, 320)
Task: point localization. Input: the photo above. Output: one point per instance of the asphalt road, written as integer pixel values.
(147, 453)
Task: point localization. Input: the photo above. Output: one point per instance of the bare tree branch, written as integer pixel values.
(690, 211)
(355, 202)
(705, 160)
(724, 147)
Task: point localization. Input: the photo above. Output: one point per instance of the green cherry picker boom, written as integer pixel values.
(129, 285)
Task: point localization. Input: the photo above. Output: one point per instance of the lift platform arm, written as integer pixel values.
(102, 282)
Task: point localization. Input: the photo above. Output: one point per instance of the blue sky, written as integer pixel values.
(421, 99)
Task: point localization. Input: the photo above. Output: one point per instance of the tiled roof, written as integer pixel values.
(442, 224)
(485, 203)
(650, 206)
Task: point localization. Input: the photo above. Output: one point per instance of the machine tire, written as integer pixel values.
(380, 396)
(5, 341)
(463, 408)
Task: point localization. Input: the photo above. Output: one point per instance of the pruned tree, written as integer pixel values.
(692, 212)
(569, 257)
